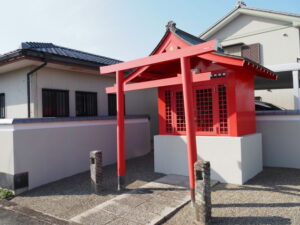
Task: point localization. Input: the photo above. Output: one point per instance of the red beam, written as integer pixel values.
(135, 74)
(189, 121)
(222, 59)
(159, 83)
(120, 124)
(194, 50)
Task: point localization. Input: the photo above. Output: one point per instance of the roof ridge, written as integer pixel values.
(244, 6)
(271, 11)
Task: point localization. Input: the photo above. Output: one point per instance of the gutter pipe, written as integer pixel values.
(28, 84)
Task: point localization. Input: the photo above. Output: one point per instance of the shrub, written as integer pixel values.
(5, 193)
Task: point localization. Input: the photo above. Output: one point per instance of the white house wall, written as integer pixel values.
(279, 40)
(6, 150)
(279, 97)
(137, 102)
(144, 102)
(14, 85)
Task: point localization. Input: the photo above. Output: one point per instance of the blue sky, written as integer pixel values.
(122, 29)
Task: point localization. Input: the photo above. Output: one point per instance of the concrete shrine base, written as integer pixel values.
(233, 159)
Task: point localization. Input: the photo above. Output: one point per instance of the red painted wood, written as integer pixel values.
(120, 124)
(135, 74)
(189, 51)
(222, 59)
(189, 118)
(159, 83)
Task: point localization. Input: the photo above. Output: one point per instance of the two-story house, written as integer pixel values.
(269, 38)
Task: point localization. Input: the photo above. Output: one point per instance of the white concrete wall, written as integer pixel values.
(276, 47)
(281, 140)
(54, 150)
(14, 85)
(279, 97)
(6, 150)
(233, 159)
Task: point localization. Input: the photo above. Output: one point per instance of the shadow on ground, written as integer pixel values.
(139, 170)
(272, 197)
(251, 220)
(71, 196)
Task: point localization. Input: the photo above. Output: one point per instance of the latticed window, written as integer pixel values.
(223, 112)
(180, 118)
(210, 108)
(2, 105)
(204, 105)
(168, 111)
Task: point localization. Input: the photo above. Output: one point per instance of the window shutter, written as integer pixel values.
(251, 52)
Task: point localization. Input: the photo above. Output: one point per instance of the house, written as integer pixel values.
(54, 111)
(45, 80)
(269, 38)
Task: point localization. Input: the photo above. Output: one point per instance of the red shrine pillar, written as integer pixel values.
(120, 129)
(189, 120)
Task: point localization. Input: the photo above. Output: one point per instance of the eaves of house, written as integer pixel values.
(31, 53)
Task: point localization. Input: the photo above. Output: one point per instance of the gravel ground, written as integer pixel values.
(71, 196)
(272, 197)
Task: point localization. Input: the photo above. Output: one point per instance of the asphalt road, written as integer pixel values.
(8, 217)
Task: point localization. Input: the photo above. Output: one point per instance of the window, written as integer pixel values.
(210, 108)
(2, 105)
(86, 103)
(112, 105)
(251, 52)
(55, 103)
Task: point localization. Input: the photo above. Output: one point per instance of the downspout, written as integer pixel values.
(28, 84)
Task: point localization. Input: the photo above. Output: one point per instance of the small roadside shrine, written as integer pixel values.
(202, 92)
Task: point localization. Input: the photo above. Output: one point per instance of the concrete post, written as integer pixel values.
(96, 171)
(296, 89)
(202, 193)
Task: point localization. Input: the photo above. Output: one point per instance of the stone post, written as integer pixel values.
(202, 193)
(96, 171)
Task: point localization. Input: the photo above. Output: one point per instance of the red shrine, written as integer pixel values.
(202, 91)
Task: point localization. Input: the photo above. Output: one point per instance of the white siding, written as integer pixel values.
(13, 84)
(137, 102)
(279, 41)
(279, 97)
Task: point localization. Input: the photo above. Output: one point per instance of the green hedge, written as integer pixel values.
(5, 193)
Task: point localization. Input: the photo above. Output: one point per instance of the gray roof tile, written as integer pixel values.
(68, 52)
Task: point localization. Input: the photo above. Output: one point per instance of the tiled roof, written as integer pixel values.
(191, 39)
(67, 52)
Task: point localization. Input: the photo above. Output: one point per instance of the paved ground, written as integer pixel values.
(13, 214)
(272, 197)
(148, 204)
(71, 196)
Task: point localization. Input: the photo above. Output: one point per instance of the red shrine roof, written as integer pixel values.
(176, 39)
